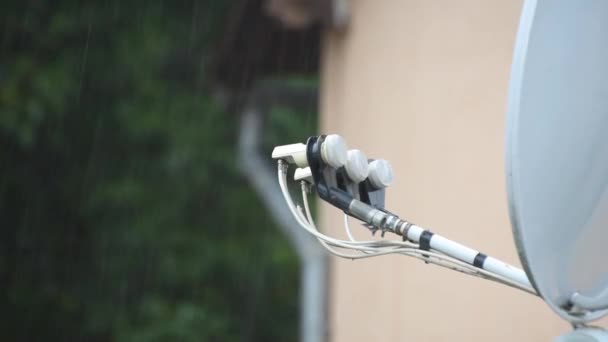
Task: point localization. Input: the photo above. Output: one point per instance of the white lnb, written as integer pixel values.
(333, 151)
(380, 173)
(356, 166)
(303, 174)
(293, 154)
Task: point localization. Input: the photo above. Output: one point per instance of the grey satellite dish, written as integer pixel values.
(557, 153)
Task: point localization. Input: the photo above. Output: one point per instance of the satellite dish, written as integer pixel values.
(557, 153)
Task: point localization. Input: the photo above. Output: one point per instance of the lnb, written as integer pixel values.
(356, 166)
(380, 173)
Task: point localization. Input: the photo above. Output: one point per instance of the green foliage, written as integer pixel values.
(124, 216)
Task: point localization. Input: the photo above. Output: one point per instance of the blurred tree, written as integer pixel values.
(123, 214)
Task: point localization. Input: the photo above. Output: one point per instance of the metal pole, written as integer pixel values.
(313, 260)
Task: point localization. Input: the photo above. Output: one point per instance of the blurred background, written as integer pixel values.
(125, 214)
(138, 201)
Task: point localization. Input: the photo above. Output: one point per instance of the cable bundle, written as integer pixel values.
(374, 248)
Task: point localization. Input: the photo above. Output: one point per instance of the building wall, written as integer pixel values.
(424, 85)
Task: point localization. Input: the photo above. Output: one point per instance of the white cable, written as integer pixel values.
(348, 232)
(381, 247)
(312, 224)
(344, 244)
(347, 228)
(323, 242)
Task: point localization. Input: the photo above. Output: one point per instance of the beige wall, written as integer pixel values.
(424, 85)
